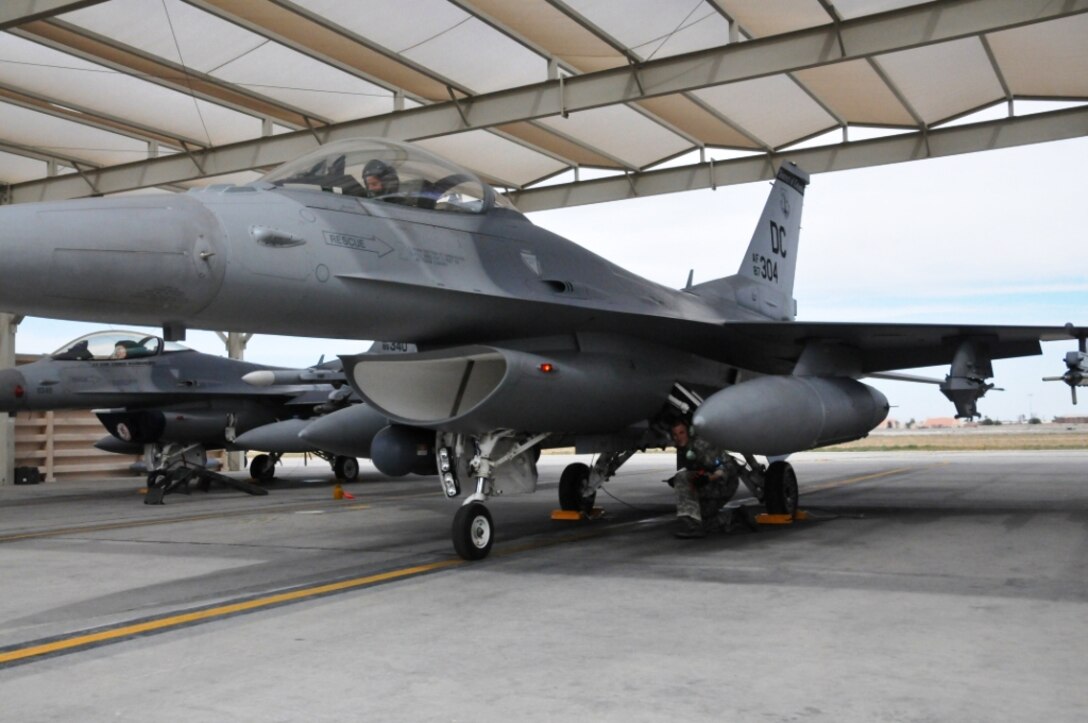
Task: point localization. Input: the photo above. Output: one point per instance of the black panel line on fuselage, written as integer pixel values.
(461, 389)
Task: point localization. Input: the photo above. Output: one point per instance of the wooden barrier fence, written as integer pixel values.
(61, 446)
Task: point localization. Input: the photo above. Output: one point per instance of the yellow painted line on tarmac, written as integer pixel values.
(174, 621)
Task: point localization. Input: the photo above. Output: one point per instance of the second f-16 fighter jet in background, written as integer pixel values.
(522, 337)
(169, 402)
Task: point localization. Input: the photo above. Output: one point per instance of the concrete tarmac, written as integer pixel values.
(924, 587)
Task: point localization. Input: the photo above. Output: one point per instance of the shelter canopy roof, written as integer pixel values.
(96, 96)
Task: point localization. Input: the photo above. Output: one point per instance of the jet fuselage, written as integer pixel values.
(293, 261)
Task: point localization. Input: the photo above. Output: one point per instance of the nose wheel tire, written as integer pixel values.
(346, 468)
(473, 532)
(780, 489)
(572, 486)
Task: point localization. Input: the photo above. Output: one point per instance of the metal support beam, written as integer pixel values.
(911, 27)
(8, 324)
(51, 160)
(17, 12)
(991, 135)
(87, 116)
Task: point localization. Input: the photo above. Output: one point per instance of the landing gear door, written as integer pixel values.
(518, 475)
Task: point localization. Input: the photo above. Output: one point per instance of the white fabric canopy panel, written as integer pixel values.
(658, 28)
(280, 73)
(967, 78)
(202, 43)
(856, 93)
(502, 160)
(621, 133)
(15, 168)
(771, 17)
(67, 139)
(775, 109)
(559, 35)
(1045, 60)
(235, 55)
(438, 35)
(68, 79)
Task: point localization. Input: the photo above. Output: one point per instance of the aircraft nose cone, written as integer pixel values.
(347, 431)
(134, 260)
(12, 390)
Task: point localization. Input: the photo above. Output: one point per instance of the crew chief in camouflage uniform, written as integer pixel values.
(706, 474)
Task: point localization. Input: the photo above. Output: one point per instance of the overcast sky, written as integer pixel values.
(988, 238)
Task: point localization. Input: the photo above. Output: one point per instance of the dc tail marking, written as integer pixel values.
(771, 258)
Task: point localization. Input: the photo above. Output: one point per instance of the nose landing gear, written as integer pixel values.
(500, 463)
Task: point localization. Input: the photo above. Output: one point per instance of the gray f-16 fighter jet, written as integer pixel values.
(522, 337)
(167, 401)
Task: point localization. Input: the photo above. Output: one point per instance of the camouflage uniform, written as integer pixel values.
(694, 482)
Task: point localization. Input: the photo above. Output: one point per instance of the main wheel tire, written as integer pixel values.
(572, 487)
(780, 489)
(262, 468)
(346, 468)
(473, 532)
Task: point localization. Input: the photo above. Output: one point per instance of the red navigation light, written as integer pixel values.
(546, 367)
(19, 391)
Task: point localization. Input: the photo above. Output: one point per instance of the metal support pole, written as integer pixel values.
(236, 343)
(8, 324)
(236, 349)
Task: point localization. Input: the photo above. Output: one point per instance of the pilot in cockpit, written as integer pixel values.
(380, 180)
(123, 349)
(127, 349)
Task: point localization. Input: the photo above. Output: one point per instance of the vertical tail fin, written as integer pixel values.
(764, 282)
(771, 259)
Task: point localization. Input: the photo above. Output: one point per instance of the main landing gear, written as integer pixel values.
(775, 485)
(780, 493)
(575, 494)
(345, 468)
(263, 467)
(579, 482)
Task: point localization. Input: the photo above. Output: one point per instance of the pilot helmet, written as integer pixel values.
(385, 174)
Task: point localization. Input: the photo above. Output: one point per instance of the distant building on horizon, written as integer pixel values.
(941, 423)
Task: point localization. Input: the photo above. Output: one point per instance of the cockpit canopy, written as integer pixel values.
(115, 344)
(397, 173)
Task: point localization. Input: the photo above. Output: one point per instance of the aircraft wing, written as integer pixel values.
(884, 347)
(769, 347)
